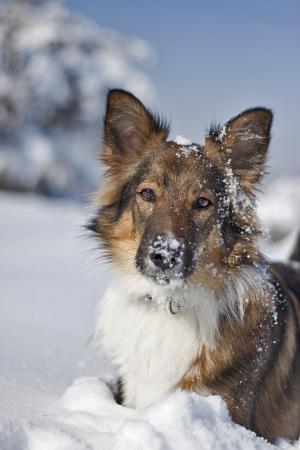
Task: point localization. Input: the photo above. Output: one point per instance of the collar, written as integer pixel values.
(174, 306)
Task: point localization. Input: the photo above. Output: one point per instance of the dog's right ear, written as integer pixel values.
(128, 127)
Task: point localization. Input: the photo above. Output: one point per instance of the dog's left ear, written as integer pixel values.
(128, 127)
(245, 139)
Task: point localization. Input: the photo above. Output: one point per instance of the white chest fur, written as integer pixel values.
(151, 348)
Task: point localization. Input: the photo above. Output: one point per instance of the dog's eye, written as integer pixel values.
(202, 203)
(147, 194)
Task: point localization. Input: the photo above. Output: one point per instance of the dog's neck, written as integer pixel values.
(174, 304)
(174, 297)
(229, 299)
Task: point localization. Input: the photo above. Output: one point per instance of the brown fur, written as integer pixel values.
(255, 364)
(258, 387)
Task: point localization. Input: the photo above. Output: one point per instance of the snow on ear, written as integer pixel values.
(128, 126)
(245, 139)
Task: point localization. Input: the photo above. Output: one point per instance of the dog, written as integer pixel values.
(193, 303)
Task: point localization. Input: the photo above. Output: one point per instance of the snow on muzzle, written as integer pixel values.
(166, 253)
(165, 258)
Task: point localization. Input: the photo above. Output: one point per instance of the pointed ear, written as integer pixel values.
(245, 139)
(128, 126)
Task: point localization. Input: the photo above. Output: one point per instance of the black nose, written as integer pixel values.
(166, 253)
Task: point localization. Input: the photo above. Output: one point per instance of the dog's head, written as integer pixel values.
(179, 211)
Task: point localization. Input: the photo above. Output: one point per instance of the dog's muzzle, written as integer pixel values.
(165, 258)
(166, 253)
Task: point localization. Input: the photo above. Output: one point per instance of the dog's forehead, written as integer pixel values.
(182, 167)
(184, 152)
(181, 160)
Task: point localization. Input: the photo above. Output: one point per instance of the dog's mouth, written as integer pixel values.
(164, 278)
(161, 277)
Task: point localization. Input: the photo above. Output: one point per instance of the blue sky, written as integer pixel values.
(217, 58)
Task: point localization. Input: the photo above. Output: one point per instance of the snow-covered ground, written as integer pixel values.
(48, 294)
(51, 395)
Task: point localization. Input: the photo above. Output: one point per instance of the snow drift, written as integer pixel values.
(87, 417)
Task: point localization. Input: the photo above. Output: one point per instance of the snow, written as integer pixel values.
(222, 133)
(87, 417)
(169, 249)
(181, 140)
(53, 388)
(186, 150)
(47, 304)
(279, 210)
(279, 206)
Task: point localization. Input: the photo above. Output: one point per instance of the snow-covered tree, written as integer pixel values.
(55, 68)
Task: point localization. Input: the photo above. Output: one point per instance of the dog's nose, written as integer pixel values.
(166, 253)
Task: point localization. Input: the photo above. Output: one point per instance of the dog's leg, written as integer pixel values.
(118, 392)
(116, 388)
